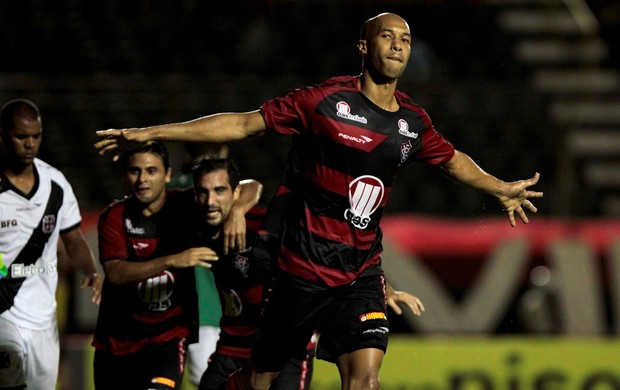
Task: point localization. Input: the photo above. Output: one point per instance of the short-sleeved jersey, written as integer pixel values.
(163, 307)
(30, 225)
(242, 285)
(348, 154)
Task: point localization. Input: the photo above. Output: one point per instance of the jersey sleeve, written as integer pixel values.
(436, 150)
(290, 114)
(111, 236)
(69, 214)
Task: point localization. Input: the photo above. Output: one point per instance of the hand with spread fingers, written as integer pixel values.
(117, 141)
(516, 198)
(395, 297)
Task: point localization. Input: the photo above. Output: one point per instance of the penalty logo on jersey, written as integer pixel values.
(365, 195)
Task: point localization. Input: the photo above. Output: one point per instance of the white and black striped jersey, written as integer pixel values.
(30, 225)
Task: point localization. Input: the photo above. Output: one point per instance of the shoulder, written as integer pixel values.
(331, 85)
(405, 100)
(115, 207)
(46, 170)
(338, 83)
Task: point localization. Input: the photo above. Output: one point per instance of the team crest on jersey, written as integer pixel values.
(405, 151)
(48, 223)
(343, 110)
(365, 195)
(155, 292)
(403, 128)
(241, 263)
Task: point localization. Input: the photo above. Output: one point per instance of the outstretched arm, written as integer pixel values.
(513, 196)
(234, 226)
(219, 128)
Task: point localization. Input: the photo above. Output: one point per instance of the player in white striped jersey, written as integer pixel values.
(37, 207)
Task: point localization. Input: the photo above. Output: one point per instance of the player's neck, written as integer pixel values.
(380, 93)
(21, 177)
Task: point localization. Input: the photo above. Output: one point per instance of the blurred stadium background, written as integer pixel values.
(520, 85)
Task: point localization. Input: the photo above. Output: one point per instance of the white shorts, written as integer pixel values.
(199, 353)
(28, 356)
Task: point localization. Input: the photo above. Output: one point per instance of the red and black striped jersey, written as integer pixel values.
(242, 284)
(344, 161)
(160, 308)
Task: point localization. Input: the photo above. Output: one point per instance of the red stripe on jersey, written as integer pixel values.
(282, 189)
(340, 231)
(237, 352)
(239, 330)
(293, 264)
(157, 317)
(335, 181)
(123, 347)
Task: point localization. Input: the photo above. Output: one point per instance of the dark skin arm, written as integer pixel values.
(120, 271)
(83, 260)
(513, 196)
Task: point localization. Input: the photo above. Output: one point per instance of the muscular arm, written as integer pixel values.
(234, 226)
(120, 271)
(83, 259)
(219, 128)
(513, 196)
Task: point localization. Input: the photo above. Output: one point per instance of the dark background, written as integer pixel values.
(116, 63)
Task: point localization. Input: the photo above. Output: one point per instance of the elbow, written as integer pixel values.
(114, 272)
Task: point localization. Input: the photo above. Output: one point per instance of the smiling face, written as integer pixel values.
(215, 196)
(385, 45)
(147, 177)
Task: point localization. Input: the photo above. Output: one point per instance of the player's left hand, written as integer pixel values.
(234, 231)
(413, 303)
(96, 282)
(516, 198)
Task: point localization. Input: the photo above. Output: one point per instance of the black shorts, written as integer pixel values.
(348, 318)
(295, 375)
(220, 367)
(158, 367)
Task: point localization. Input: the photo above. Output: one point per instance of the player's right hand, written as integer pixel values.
(201, 257)
(117, 141)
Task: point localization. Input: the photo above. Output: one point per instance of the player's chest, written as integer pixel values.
(21, 214)
(353, 124)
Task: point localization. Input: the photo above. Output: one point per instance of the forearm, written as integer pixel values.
(219, 128)
(249, 195)
(462, 169)
(78, 251)
(121, 271)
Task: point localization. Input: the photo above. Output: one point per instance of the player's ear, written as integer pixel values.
(362, 46)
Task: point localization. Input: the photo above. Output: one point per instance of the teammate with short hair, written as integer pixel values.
(148, 312)
(38, 208)
(242, 279)
(355, 133)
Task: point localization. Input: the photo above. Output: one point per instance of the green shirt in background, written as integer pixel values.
(209, 307)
